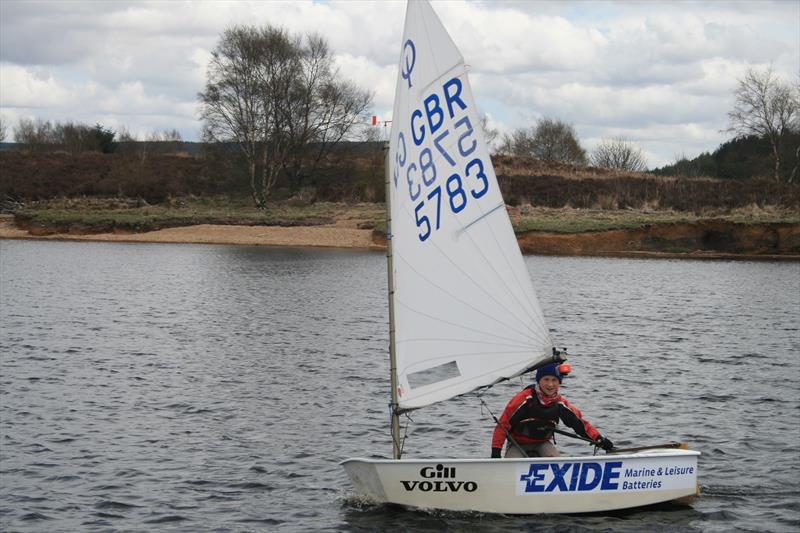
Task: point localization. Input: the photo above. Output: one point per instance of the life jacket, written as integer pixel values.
(529, 421)
(535, 421)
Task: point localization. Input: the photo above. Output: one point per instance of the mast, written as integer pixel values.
(392, 354)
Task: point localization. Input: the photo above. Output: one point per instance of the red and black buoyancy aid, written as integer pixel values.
(529, 421)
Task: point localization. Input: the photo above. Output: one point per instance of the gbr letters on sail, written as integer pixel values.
(439, 161)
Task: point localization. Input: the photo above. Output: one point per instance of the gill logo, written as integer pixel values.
(439, 478)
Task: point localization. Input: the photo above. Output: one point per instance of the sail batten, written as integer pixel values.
(465, 312)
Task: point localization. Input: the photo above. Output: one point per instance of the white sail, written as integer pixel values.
(466, 314)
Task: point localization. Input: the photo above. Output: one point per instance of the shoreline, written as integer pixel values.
(296, 236)
(338, 236)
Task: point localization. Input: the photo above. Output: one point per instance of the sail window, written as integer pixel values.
(432, 375)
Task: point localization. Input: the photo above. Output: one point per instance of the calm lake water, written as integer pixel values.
(216, 388)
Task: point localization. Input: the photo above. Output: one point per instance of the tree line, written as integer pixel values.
(71, 137)
(554, 140)
(38, 135)
(765, 122)
(277, 100)
(741, 158)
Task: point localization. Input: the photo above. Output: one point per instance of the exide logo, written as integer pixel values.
(439, 479)
(572, 477)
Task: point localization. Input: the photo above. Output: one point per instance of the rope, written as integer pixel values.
(508, 435)
(405, 433)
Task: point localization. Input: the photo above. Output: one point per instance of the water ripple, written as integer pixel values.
(216, 388)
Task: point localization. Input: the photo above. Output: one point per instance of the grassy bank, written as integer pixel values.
(95, 215)
(739, 233)
(133, 215)
(573, 221)
(102, 215)
(566, 220)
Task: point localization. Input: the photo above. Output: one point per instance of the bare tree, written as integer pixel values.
(550, 139)
(322, 111)
(232, 106)
(129, 144)
(767, 107)
(3, 128)
(73, 137)
(369, 134)
(619, 154)
(793, 174)
(35, 134)
(125, 135)
(161, 142)
(557, 141)
(518, 142)
(280, 100)
(489, 134)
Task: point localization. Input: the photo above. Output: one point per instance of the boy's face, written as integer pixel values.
(549, 385)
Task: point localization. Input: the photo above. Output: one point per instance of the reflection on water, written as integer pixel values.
(217, 387)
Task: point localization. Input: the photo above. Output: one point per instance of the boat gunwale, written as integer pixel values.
(657, 453)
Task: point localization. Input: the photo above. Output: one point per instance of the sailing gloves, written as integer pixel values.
(606, 444)
(496, 453)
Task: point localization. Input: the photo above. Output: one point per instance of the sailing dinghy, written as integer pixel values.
(463, 312)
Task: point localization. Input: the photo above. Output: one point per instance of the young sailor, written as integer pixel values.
(534, 412)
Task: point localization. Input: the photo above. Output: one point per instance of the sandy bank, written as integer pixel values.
(619, 243)
(322, 236)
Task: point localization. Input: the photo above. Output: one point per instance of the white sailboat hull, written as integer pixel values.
(531, 485)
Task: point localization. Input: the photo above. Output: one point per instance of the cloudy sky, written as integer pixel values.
(658, 73)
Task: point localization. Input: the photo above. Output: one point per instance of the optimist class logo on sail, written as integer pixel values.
(437, 161)
(410, 59)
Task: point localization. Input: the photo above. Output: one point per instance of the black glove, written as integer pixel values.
(496, 453)
(606, 444)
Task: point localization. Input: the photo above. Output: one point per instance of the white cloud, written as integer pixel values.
(32, 87)
(509, 41)
(661, 73)
(367, 74)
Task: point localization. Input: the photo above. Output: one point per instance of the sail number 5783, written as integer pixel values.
(421, 174)
(456, 194)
